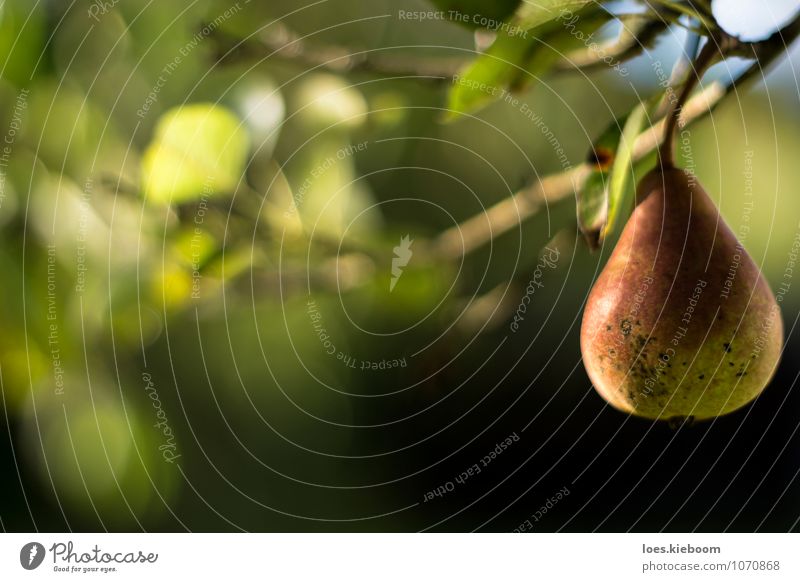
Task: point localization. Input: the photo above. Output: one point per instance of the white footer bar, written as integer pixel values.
(401, 557)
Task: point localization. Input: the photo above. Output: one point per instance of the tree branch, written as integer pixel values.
(284, 44)
(631, 42)
(505, 215)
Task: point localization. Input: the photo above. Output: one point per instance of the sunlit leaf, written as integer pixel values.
(486, 78)
(328, 197)
(327, 102)
(621, 167)
(603, 196)
(21, 39)
(280, 211)
(514, 60)
(593, 207)
(61, 216)
(197, 150)
(171, 286)
(531, 14)
(262, 108)
(195, 246)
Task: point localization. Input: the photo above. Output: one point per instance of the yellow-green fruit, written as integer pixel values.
(680, 323)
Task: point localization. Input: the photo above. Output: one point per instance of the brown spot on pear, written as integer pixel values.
(680, 288)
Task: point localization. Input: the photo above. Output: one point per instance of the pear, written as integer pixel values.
(680, 322)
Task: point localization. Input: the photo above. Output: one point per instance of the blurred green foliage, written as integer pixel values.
(168, 211)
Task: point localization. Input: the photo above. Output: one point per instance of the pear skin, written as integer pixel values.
(680, 322)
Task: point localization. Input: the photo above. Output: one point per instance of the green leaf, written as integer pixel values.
(516, 58)
(22, 36)
(486, 78)
(621, 167)
(532, 13)
(593, 207)
(602, 198)
(196, 150)
(261, 106)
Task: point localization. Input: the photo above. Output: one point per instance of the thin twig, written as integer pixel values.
(508, 213)
(708, 55)
(286, 45)
(630, 43)
(691, 12)
(281, 43)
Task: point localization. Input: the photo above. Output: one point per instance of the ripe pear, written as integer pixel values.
(680, 322)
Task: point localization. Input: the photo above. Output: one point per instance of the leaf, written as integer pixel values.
(593, 208)
(486, 78)
(261, 106)
(621, 167)
(22, 36)
(532, 13)
(280, 210)
(196, 150)
(516, 58)
(603, 195)
(592, 205)
(328, 198)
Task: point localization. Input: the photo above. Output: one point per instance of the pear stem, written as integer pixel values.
(708, 54)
